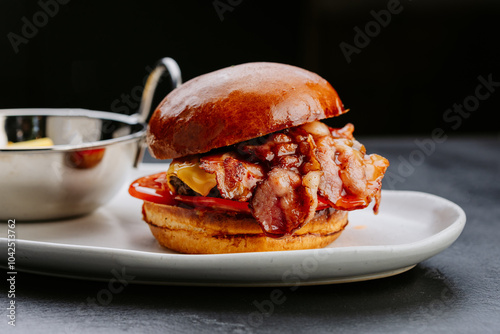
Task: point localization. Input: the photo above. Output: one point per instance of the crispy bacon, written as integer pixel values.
(281, 174)
(330, 186)
(351, 179)
(285, 201)
(236, 178)
(270, 149)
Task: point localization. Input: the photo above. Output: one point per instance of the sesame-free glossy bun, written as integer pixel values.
(235, 104)
(210, 232)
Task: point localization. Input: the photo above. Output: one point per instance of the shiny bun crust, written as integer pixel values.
(203, 232)
(235, 104)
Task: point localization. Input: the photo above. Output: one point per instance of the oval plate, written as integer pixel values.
(114, 242)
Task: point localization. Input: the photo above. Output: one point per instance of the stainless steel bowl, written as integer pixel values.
(92, 155)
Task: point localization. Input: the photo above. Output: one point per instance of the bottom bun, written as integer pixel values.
(210, 232)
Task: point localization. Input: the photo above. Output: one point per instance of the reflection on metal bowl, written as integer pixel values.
(84, 159)
(91, 156)
(60, 163)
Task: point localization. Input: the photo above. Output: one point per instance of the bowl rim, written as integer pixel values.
(76, 112)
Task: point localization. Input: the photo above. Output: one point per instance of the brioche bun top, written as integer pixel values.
(235, 104)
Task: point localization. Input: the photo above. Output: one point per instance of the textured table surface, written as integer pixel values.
(455, 291)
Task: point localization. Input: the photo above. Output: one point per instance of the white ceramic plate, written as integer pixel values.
(114, 243)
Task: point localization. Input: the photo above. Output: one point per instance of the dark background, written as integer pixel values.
(96, 54)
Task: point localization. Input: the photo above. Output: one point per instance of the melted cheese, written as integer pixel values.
(191, 174)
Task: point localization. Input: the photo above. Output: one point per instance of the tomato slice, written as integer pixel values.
(322, 203)
(214, 203)
(152, 189)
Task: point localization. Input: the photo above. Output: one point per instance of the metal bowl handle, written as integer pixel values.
(164, 64)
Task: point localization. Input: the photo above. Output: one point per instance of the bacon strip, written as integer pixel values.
(285, 201)
(236, 178)
(350, 178)
(281, 175)
(330, 186)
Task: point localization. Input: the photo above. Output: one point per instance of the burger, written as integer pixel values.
(253, 169)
